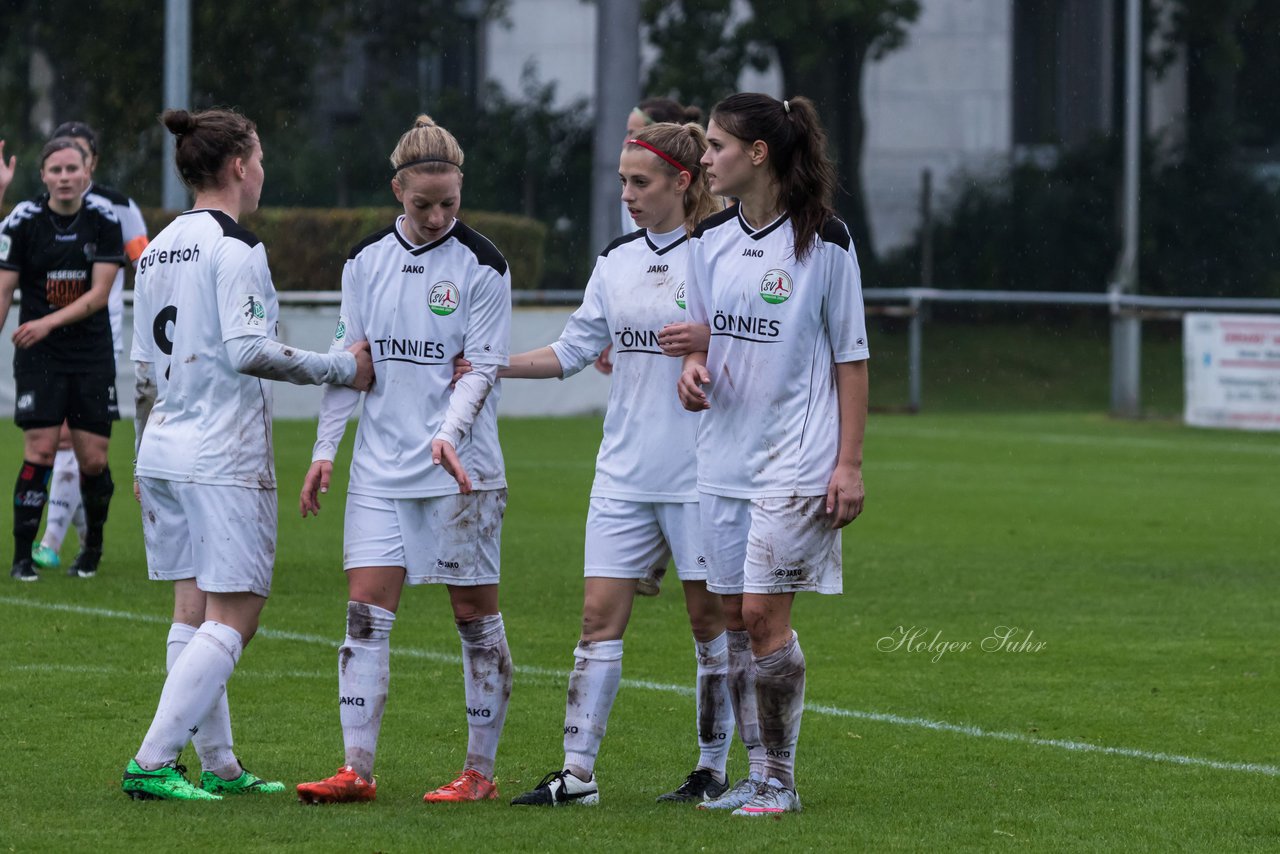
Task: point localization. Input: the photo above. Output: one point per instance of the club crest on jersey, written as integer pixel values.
(254, 310)
(444, 298)
(5, 244)
(680, 295)
(775, 287)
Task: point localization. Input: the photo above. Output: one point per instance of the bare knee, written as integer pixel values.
(472, 603)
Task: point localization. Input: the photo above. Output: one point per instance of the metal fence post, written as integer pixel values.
(914, 344)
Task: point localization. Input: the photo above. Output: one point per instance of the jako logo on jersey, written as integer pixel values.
(254, 310)
(680, 295)
(657, 268)
(444, 298)
(478, 713)
(775, 287)
(351, 701)
(446, 564)
(413, 268)
(752, 253)
(788, 573)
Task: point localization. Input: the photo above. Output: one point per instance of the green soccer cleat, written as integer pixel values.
(247, 783)
(45, 557)
(166, 783)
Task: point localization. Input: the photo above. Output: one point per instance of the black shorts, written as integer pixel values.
(86, 400)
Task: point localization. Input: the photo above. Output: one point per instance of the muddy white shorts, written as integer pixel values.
(627, 539)
(770, 545)
(448, 539)
(222, 536)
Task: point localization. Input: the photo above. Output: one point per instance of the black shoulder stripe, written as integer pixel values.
(231, 228)
(729, 214)
(110, 194)
(486, 253)
(369, 241)
(622, 241)
(835, 231)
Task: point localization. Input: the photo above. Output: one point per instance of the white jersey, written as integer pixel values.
(637, 287)
(134, 232)
(778, 328)
(419, 307)
(202, 282)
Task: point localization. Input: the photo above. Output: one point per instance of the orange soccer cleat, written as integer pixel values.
(471, 786)
(344, 787)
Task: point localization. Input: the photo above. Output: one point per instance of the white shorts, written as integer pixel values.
(449, 539)
(770, 545)
(222, 536)
(627, 539)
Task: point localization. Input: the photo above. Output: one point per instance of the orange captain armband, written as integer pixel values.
(134, 248)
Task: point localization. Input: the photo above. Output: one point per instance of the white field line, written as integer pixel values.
(1117, 442)
(559, 675)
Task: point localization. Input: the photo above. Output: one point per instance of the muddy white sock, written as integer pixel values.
(593, 685)
(780, 700)
(364, 673)
(713, 704)
(486, 668)
(742, 694)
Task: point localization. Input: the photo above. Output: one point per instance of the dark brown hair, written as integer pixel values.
(797, 156)
(60, 143)
(684, 144)
(668, 110)
(206, 141)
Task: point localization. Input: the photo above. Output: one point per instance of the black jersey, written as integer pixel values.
(54, 256)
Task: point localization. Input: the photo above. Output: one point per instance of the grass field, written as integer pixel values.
(1140, 556)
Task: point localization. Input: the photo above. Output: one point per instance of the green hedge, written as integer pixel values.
(307, 246)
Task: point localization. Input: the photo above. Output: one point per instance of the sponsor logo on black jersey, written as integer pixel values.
(775, 287)
(171, 256)
(444, 298)
(760, 329)
(63, 287)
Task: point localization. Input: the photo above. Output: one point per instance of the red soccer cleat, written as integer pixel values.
(344, 787)
(471, 786)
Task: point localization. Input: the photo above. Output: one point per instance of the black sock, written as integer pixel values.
(30, 493)
(95, 492)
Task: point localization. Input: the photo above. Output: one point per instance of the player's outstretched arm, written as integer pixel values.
(539, 364)
(259, 356)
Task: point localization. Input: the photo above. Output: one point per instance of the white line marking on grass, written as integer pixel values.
(1117, 442)
(545, 672)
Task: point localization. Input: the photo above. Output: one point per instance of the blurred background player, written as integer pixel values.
(644, 502)
(784, 386)
(428, 486)
(63, 250)
(205, 315)
(64, 506)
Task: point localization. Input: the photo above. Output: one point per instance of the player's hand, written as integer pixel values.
(313, 485)
(604, 362)
(31, 333)
(364, 366)
(137, 491)
(6, 169)
(443, 454)
(681, 339)
(845, 495)
(689, 387)
(460, 366)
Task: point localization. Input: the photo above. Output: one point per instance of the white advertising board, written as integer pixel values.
(1232, 370)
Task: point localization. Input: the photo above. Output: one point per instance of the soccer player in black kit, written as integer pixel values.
(62, 250)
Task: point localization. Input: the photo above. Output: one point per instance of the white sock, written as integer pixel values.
(213, 738)
(593, 684)
(742, 694)
(198, 677)
(364, 673)
(714, 708)
(780, 699)
(64, 498)
(486, 668)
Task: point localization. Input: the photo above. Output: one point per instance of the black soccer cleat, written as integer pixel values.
(86, 564)
(24, 570)
(560, 789)
(699, 786)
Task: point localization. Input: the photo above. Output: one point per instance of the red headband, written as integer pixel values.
(662, 154)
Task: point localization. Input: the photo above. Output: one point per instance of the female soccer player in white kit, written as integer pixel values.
(644, 502)
(784, 386)
(428, 486)
(205, 316)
